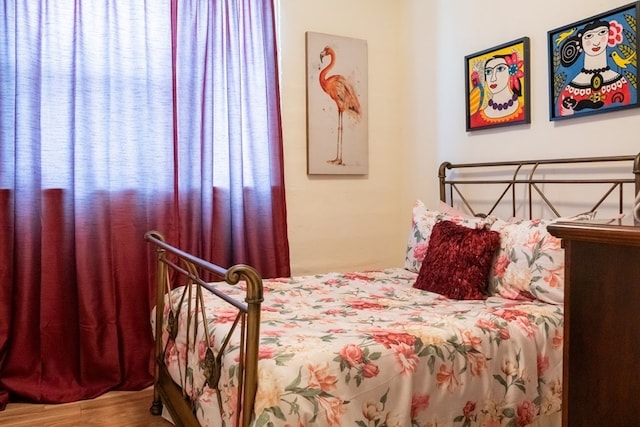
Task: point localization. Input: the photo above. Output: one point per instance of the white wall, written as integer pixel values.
(339, 223)
(606, 134)
(417, 116)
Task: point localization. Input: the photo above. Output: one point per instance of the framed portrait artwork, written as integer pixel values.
(497, 86)
(593, 64)
(337, 110)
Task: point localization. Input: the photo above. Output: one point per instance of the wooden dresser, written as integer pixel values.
(601, 377)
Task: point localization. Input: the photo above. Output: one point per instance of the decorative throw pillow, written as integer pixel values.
(458, 261)
(422, 222)
(530, 262)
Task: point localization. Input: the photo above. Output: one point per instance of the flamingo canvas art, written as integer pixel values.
(337, 130)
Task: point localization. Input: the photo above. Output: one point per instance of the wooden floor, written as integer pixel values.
(113, 409)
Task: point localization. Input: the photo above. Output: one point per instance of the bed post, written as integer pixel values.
(161, 272)
(254, 300)
(442, 175)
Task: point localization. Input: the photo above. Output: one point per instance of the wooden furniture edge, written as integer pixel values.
(597, 232)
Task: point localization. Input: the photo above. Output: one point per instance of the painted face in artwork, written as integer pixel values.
(594, 41)
(496, 74)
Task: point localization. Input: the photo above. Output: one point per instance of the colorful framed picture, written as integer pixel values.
(497, 86)
(337, 105)
(593, 64)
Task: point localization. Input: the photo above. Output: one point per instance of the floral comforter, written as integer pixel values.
(367, 349)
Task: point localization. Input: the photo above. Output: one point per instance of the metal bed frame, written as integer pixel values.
(530, 174)
(176, 268)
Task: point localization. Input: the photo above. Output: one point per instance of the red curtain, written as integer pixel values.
(115, 119)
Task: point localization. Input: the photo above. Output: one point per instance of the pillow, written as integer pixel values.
(422, 222)
(585, 216)
(458, 261)
(450, 210)
(530, 261)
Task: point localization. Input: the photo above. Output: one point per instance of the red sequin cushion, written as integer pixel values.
(458, 261)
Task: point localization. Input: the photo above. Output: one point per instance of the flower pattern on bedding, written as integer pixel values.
(367, 349)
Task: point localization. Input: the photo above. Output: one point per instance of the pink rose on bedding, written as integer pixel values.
(352, 354)
(266, 352)
(526, 413)
(509, 314)
(370, 370)
(543, 365)
(364, 305)
(357, 276)
(526, 326)
(486, 324)
(226, 315)
(420, 251)
(388, 338)
(504, 333)
(419, 403)
(202, 349)
(469, 409)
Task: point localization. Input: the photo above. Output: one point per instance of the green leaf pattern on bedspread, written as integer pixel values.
(367, 349)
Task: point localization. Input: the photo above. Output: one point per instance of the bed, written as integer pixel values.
(468, 332)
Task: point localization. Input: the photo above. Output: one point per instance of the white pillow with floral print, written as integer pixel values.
(422, 222)
(530, 261)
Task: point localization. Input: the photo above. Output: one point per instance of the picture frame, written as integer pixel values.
(584, 77)
(337, 105)
(497, 86)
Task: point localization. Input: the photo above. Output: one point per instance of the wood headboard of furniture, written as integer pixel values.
(607, 179)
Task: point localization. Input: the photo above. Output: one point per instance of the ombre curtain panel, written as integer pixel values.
(116, 118)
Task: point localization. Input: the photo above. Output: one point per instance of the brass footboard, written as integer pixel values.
(177, 268)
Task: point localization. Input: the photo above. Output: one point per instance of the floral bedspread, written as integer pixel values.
(367, 349)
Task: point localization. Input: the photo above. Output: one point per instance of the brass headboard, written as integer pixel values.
(531, 176)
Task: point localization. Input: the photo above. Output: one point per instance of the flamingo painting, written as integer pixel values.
(337, 82)
(342, 93)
